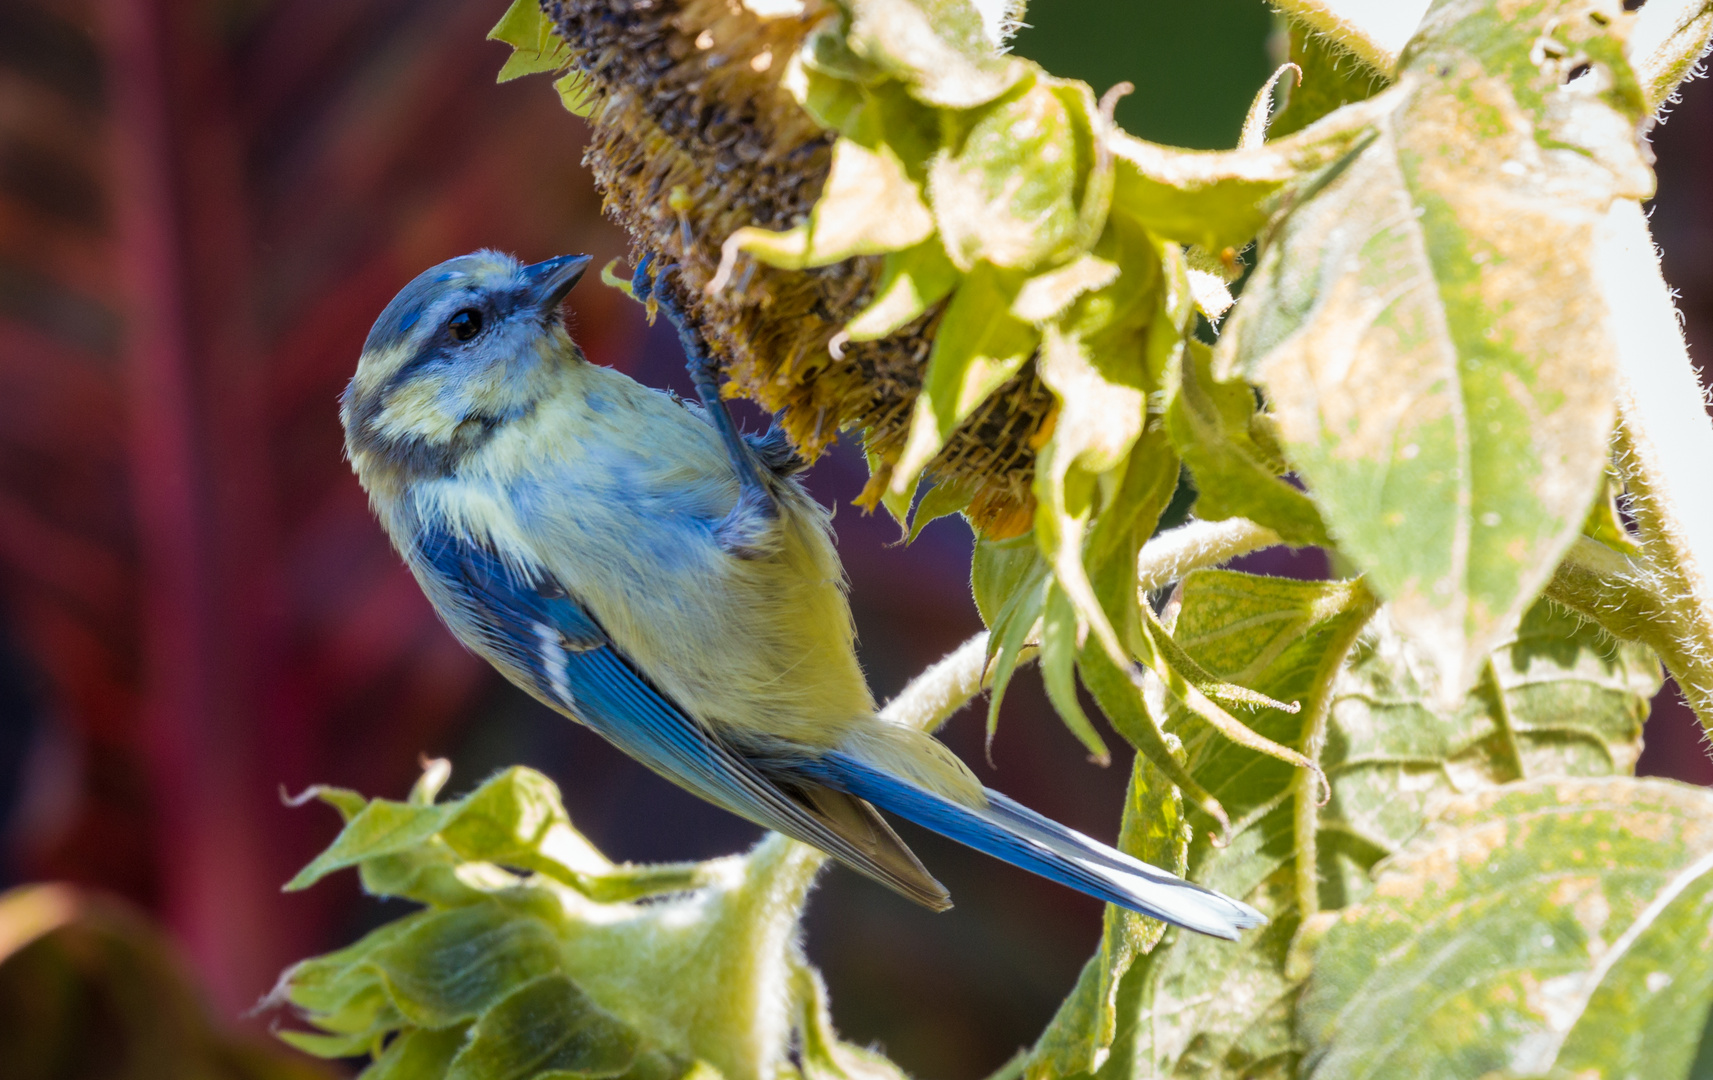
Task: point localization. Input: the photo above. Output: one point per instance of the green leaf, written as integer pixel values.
(1331, 79)
(327, 1046)
(1067, 1046)
(937, 47)
(1562, 927)
(1102, 356)
(516, 819)
(1059, 646)
(1563, 699)
(383, 827)
(535, 46)
(1010, 581)
(702, 976)
(1427, 327)
(824, 1057)
(327, 985)
(1120, 699)
(1216, 1009)
(417, 1055)
(1018, 619)
(999, 571)
(349, 803)
(979, 346)
(941, 500)
(1009, 184)
(911, 282)
(1094, 358)
(1219, 200)
(452, 965)
(1223, 438)
(545, 1028)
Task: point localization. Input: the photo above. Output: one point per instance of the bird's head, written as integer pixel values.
(467, 346)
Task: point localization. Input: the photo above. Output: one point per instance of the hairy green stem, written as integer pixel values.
(1624, 596)
(1666, 43)
(1306, 787)
(1664, 441)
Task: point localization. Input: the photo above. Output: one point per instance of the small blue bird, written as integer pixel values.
(633, 562)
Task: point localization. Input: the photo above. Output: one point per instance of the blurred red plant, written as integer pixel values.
(202, 205)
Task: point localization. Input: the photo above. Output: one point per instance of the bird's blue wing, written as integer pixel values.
(545, 640)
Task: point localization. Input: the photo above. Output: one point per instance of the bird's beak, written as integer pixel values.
(550, 280)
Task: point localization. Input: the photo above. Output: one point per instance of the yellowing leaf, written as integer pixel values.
(869, 206)
(1007, 187)
(1427, 327)
(1045, 295)
(1219, 200)
(1577, 915)
(937, 47)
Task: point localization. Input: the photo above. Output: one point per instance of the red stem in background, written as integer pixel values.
(175, 209)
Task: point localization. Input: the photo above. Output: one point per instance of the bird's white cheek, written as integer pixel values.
(417, 410)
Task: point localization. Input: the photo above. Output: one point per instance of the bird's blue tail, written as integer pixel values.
(1015, 834)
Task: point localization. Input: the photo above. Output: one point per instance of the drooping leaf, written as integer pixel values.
(1221, 436)
(999, 571)
(1010, 581)
(941, 500)
(869, 206)
(1559, 927)
(1059, 646)
(1427, 327)
(1102, 356)
(979, 346)
(911, 281)
(1122, 703)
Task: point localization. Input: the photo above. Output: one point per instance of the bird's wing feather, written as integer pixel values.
(528, 623)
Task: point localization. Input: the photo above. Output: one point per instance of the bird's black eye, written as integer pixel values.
(465, 325)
